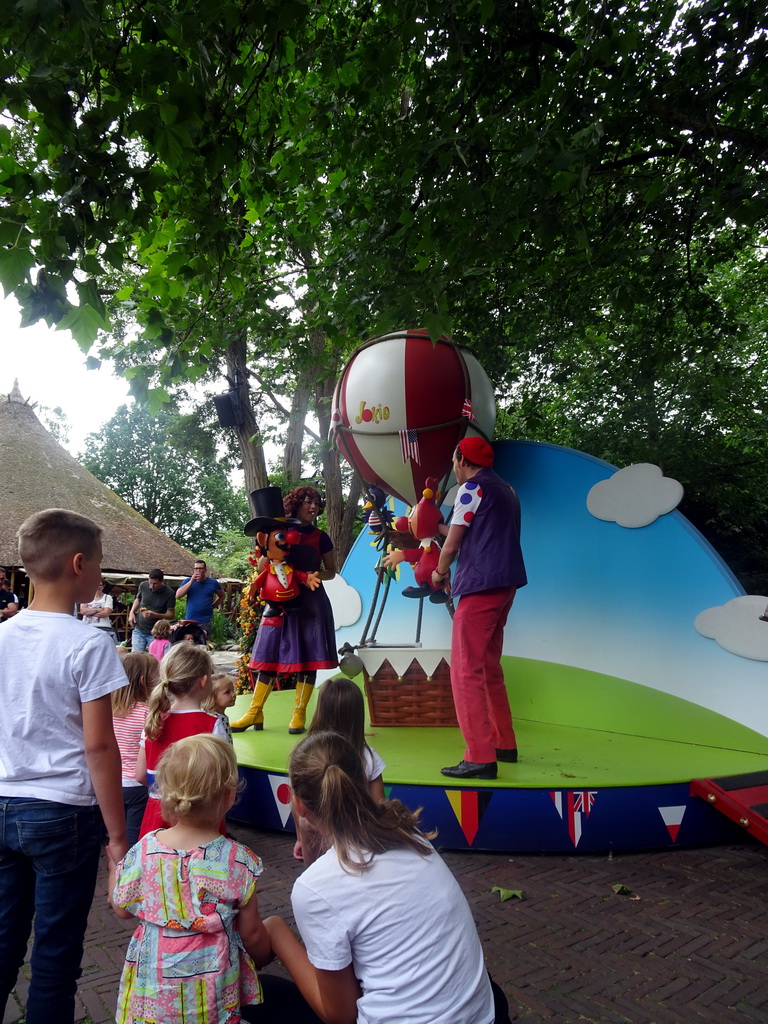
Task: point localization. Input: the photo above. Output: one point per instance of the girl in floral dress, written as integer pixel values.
(193, 957)
(200, 939)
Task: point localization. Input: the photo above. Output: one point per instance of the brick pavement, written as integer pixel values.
(691, 948)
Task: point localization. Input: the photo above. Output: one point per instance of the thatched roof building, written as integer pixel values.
(37, 473)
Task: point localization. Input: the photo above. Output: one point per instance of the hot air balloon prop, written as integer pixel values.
(401, 406)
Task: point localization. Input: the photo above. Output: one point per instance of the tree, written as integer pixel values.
(291, 177)
(167, 468)
(680, 380)
(55, 421)
(393, 163)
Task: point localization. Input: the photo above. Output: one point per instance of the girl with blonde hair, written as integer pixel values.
(175, 711)
(222, 696)
(177, 881)
(161, 631)
(200, 938)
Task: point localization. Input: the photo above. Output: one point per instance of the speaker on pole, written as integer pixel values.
(228, 409)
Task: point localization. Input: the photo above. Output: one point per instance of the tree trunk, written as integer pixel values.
(247, 430)
(340, 513)
(295, 432)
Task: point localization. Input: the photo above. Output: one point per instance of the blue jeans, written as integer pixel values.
(134, 801)
(49, 858)
(140, 641)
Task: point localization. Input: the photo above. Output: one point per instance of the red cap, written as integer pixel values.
(475, 449)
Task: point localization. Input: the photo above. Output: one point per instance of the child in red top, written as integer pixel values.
(175, 711)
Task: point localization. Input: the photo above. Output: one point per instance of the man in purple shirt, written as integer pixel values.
(484, 533)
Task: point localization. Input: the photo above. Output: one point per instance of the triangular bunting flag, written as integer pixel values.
(281, 791)
(469, 806)
(672, 818)
(573, 807)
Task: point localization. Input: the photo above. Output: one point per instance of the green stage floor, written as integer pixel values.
(575, 730)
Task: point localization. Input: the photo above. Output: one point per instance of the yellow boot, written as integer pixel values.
(254, 715)
(299, 717)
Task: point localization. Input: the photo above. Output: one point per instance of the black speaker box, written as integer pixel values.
(227, 409)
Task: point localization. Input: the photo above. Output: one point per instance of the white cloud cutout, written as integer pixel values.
(736, 626)
(346, 602)
(634, 496)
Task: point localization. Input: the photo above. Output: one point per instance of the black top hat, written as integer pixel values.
(267, 503)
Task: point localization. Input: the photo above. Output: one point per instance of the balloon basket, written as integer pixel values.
(411, 699)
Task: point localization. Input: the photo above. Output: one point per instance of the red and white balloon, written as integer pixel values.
(401, 406)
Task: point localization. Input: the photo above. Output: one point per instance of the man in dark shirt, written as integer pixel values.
(9, 603)
(154, 600)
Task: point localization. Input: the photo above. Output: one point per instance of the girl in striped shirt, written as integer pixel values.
(129, 713)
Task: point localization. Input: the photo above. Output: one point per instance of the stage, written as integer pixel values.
(600, 768)
(634, 663)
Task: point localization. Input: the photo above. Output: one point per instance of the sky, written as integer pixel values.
(50, 369)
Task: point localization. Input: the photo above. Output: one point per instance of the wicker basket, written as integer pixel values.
(413, 700)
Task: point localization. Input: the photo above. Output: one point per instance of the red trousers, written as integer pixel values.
(477, 679)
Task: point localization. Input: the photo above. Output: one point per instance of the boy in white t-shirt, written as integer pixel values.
(60, 780)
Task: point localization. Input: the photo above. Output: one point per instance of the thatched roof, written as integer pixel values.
(37, 473)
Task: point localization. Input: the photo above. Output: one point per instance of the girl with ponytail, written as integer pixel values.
(175, 711)
(387, 932)
(129, 717)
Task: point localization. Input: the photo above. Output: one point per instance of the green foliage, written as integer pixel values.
(575, 191)
(681, 382)
(167, 468)
(401, 165)
(55, 421)
(230, 555)
(222, 631)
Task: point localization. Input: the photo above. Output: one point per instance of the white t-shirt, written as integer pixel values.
(373, 764)
(408, 932)
(102, 621)
(51, 665)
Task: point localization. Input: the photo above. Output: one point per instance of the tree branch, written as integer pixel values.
(278, 405)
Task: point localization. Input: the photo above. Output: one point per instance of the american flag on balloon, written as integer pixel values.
(409, 446)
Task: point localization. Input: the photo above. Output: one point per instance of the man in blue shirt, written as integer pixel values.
(203, 594)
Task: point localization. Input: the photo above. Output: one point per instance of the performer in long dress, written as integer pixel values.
(296, 634)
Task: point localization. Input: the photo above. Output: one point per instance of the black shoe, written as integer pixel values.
(471, 770)
(422, 591)
(509, 756)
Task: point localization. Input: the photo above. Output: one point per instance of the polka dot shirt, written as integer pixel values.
(467, 503)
